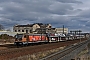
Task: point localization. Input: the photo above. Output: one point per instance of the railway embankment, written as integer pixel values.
(84, 54)
(35, 52)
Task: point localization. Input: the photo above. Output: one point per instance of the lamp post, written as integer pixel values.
(71, 33)
(41, 33)
(80, 34)
(63, 29)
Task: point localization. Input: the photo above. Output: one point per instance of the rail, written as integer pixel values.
(63, 53)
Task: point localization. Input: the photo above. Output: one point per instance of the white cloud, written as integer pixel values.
(70, 13)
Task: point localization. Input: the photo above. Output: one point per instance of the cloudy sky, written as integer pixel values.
(73, 14)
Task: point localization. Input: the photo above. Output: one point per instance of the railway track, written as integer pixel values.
(61, 54)
(16, 52)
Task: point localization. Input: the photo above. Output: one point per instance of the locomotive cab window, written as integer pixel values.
(25, 36)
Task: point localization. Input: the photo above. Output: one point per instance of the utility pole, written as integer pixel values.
(63, 29)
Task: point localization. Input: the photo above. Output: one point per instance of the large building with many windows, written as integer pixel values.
(30, 28)
(38, 28)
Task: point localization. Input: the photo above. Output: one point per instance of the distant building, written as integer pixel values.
(62, 30)
(30, 28)
(8, 33)
(45, 30)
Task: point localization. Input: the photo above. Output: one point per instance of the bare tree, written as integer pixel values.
(1, 27)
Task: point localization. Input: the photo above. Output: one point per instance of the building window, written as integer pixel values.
(49, 26)
(26, 31)
(22, 30)
(18, 30)
(30, 31)
(15, 30)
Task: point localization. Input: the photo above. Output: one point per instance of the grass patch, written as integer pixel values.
(39, 55)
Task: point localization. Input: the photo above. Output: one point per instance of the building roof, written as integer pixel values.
(28, 25)
(39, 24)
(31, 25)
